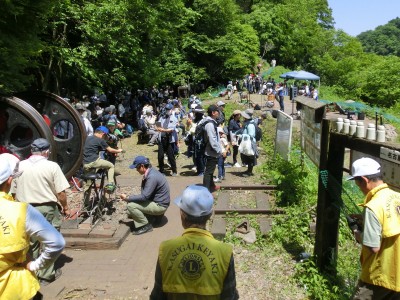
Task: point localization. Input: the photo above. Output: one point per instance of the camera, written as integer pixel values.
(353, 223)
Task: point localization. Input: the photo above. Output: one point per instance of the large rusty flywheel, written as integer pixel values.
(65, 125)
(20, 125)
(31, 115)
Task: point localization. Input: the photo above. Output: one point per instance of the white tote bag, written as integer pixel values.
(245, 146)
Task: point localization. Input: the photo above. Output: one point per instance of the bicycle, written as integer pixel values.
(95, 203)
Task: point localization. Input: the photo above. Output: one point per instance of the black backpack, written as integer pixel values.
(200, 138)
(258, 133)
(227, 133)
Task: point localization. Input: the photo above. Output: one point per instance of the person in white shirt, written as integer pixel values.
(82, 112)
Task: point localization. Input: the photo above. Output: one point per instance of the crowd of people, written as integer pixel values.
(165, 122)
(220, 138)
(33, 199)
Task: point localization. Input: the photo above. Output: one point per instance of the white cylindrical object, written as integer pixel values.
(381, 134)
(360, 130)
(339, 125)
(353, 127)
(371, 132)
(346, 126)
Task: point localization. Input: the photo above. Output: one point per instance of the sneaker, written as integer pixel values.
(146, 228)
(247, 174)
(237, 165)
(174, 175)
(217, 179)
(194, 168)
(150, 144)
(44, 282)
(110, 188)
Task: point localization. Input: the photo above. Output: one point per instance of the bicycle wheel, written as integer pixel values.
(103, 204)
(91, 204)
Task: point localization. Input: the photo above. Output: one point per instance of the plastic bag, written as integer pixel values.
(245, 146)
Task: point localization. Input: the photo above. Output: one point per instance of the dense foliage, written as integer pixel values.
(82, 45)
(384, 40)
(297, 189)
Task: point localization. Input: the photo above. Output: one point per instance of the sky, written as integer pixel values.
(356, 16)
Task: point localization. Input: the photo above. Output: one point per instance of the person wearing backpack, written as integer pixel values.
(198, 149)
(212, 147)
(249, 128)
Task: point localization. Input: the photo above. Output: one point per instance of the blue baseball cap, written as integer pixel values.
(40, 144)
(196, 201)
(103, 129)
(169, 106)
(139, 160)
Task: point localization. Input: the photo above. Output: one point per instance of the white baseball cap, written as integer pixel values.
(363, 167)
(5, 169)
(14, 163)
(196, 201)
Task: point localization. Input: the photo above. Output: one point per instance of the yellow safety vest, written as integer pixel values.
(194, 263)
(383, 268)
(16, 282)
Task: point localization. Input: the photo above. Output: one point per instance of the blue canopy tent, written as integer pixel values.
(300, 75)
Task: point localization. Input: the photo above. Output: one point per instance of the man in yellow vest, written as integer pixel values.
(380, 253)
(195, 265)
(20, 222)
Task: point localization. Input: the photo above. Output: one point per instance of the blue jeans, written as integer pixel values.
(281, 103)
(221, 167)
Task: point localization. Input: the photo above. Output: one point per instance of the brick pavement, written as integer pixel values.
(126, 273)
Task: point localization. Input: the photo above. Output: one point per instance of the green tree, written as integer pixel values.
(292, 31)
(219, 42)
(111, 44)
(378, 86)
(384, 40)
(339, 59)
(20, 43)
